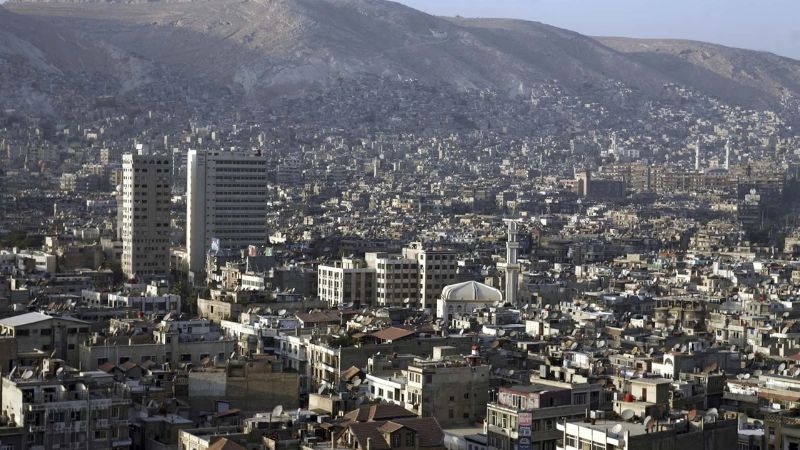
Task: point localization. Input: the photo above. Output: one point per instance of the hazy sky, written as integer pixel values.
(770, 25)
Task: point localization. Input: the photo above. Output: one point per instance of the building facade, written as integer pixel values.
(226, 202)
(146, 190)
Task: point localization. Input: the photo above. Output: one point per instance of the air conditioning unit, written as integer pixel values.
(597, 414)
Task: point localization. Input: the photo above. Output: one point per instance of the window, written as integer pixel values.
(450, 413)
(46, 332)
(395, 440)
(186, 357)
(571, 441)
(409, 439)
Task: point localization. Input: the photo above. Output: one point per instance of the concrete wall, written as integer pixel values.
(258, 390)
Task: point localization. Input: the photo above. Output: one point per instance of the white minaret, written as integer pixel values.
(511, 266)
(728, 154)
(697, 156)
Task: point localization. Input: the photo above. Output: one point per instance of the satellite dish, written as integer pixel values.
(757, 372)
(782, 367)
(321, 390)
(27, 374)
(676, 347)
(684, 348)
(573, 346)
(628, 414)
(709, 419)
(692, 415)
(648, 423)
(747, 376)
(712, 412)
(277, 411)
(616, 429)
(357, 382)
(751, 356)
(785, 330)
(282, 312)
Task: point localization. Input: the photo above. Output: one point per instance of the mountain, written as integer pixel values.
(267, 48)
(739, 76)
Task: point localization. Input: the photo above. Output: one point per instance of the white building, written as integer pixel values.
(466, 297)
(347, 281)
(146, 302)
(226, 200)
(146, 184)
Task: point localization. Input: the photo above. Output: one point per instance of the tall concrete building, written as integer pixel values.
(146, 199)
(226, 202)
(437, 269)
(396, 279)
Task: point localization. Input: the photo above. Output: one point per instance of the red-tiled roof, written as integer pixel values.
(225, 444)
(427, 429)
(381, 411)
(393, 334)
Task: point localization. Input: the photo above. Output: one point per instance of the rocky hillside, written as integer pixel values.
(264, 48)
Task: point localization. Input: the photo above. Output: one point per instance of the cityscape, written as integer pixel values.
(350, 224)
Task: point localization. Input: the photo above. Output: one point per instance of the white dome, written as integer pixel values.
(471, 291)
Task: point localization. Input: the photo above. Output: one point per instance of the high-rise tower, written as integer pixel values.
(226, 200)
(146, 189)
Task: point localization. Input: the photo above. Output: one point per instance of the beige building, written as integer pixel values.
(37, 336)
(437, 269)
(396, 279)
(454, 390)
(65, 409)
(146, 190)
